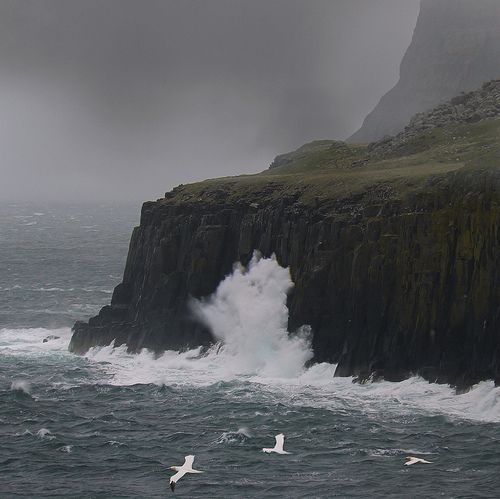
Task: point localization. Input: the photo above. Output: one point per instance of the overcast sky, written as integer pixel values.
(124, 99)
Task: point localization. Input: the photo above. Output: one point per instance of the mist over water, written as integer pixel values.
(110, 423)
(124, 99)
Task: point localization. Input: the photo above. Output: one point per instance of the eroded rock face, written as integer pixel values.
(390, 286)
(455, 48)
(471, 107)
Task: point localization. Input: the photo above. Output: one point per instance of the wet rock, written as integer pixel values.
(50, 337)
(409, 287)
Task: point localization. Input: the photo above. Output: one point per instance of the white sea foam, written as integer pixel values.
(25, 433)
(248, 314)
(29, 341)
(21, 385)
(45, 434)
(115, 443)
(66, 448)
(409, 397)
(11, 288)
(93, 290)
(397, 452)
(234, 437)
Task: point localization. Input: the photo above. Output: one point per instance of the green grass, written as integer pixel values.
(326, 171)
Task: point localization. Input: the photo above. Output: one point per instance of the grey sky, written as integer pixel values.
(123, 99)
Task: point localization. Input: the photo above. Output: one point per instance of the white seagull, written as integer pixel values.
(278, 448)
(414, 460)
(187, 467)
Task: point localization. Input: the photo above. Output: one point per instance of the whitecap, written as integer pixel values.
(45, 434)
(25, 433)
(11, 288)
(115, 443)
(21, 385)
(240, 436)
(248, 314)
(396, 452)
(29, 341)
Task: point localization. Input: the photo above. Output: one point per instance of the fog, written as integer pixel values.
(121, 100)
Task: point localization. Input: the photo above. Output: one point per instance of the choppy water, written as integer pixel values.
(109, 424)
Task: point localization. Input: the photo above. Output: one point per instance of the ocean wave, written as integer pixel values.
(22, 386)
(29, 341)
(242, 435)
(313, 387)
(45, 434)
(115, 443)
(397, 452)
(91, 290)
(248, 314)
(25, 433)
(53, 289)
(11, 288)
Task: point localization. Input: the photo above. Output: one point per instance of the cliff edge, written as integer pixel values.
(394, 251)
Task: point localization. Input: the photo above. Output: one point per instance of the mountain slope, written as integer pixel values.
(455, 47)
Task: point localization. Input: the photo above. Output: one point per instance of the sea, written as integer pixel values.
(109, 424)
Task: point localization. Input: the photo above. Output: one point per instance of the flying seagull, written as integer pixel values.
(278, 448)
(187, 467)
(414, 460)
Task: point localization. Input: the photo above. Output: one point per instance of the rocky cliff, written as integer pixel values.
(470, 107)
(455, 47)
(396, 260)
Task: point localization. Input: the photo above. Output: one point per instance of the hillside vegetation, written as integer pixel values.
(325, 170)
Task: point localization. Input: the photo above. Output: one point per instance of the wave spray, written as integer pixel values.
(248, 316)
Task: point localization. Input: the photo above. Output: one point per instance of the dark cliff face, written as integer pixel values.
(394, 250)
(390, 287)
(455, 47)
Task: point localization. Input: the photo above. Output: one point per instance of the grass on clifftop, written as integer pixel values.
(322, 171)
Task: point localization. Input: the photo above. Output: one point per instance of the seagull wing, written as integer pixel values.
(175, 478)
(280, 441)
(188, 462)
(411, 461)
